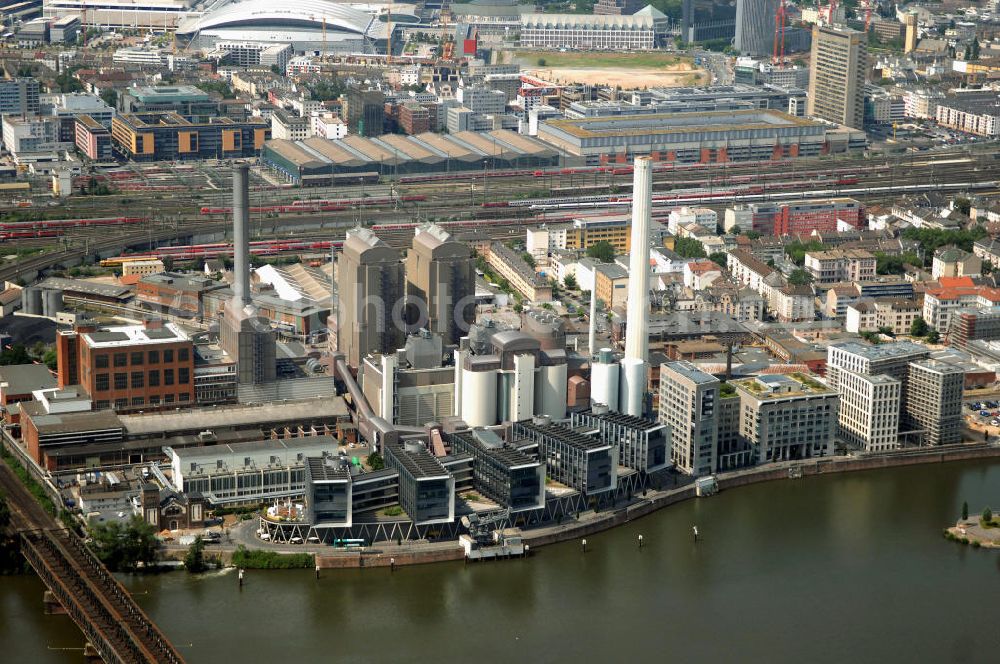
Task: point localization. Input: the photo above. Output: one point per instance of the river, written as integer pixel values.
(849, 567)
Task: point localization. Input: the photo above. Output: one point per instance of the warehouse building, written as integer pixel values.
(688, 138)
(318, 162)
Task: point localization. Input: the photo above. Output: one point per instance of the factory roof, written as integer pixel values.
(669, 123)
(25, 378)
(321, 471)
(121, 336)
(691, 372)
(881, 351)
(86, 287)
(165, 422)
(75, 422)
(565, 435)
(417, 461)
(258, 453)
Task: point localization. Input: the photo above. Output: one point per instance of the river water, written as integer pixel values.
(842, 568)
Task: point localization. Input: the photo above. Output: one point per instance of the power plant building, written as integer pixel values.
(370, 284)
(440, 283)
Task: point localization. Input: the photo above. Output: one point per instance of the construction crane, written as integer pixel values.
(780, 18)
(831, 12)
(867, 4)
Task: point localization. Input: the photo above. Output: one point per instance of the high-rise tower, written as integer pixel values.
(755, 26)
(837, 81)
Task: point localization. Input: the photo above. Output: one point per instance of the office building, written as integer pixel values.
(595, 32)
(440, 283)
(328, 490)
(185, 100)
(93, 139)
(169, 136)
(250, 472)
(871, 360)
(643, 445)
(500, 471)
(370, 282)
(19, 96)
(707, 137)
(705, 20)
(787, 417)
(34, 138)
(973, 324)
(128, 367)
(837, 81)
(688, 404)
(869, 411)
(755, 26)
(571, 458)
(426, 488)
(365, 111)
(934, 401)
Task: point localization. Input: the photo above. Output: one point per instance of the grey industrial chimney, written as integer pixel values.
(241, 233)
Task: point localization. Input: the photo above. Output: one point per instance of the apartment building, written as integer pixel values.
(873, 315)
(869, 411)
(840, 265)
(521, 276)
(934, 401)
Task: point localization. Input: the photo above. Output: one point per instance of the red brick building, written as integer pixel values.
(130, 367)
(414, 118)
(805, 217)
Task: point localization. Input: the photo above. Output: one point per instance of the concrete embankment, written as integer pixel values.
(592, 523)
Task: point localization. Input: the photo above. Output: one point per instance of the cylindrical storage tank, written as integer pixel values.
(604, 384)
(633, 387)
(52, 303)
(479, 398)
(550, 391)
(31, 301)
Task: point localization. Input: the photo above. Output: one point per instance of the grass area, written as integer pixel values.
(599, 60)
(20, 251)
(726, 390)
(394, 510)
(257, 559)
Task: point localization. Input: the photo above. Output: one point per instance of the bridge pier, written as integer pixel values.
(90, 654)
(52, 605)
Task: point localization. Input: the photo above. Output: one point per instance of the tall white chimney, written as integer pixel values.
(591, 338)
(633, 374)
(241, 234)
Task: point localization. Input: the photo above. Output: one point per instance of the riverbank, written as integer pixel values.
(975, 532)
(385, 554)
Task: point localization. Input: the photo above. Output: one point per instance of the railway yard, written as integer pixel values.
(183, 210)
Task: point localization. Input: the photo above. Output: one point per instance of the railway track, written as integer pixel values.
(97, 602)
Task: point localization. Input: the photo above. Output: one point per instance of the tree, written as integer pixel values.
(987, 515)
(963, 205)
(528, 258)
(570, 282)
(689, 248)
(541, 62)
(110, 97)
(797, 251)
(194, 561)
(933, 337)
(919, 327)
(887, 331)
(720, 258)
(16, 354)
(965, 510)
(752, 235)
(603, 251)
(375, 461)
(886, 264)
(50, 359)
(800, 277)
(122, 546)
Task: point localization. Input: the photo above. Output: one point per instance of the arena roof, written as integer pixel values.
(301, 14)
(668, 123)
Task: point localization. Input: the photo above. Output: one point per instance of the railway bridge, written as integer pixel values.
(115, 626)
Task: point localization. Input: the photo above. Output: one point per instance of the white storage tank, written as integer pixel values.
(604, 377)
(479, 397)
(550, 391)
(633, 387)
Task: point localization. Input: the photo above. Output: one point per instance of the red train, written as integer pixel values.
(54, 227)
(318, 205)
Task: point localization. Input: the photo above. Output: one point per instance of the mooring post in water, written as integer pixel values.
(392, 564)
(317, 571)
(240, 574)
(640, 541)
(695, 529)
(583, 544)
